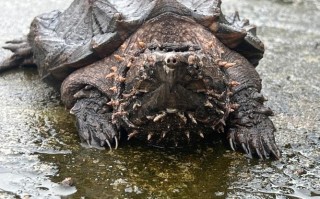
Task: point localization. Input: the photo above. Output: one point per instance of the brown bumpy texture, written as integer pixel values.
(168, 72)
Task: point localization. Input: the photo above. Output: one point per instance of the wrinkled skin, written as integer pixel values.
(173, 81)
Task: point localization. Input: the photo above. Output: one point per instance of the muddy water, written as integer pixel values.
(39, 146)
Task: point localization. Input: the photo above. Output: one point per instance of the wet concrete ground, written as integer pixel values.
(39, 146)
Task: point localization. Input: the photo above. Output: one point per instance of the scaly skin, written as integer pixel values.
(249, 125)
(94, 119)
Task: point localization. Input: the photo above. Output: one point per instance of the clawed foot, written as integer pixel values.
(22, 54)
(257, 139)
(94, 125)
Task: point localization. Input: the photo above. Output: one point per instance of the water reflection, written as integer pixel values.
(142, 172)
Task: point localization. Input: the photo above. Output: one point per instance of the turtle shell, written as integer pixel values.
(90, 30)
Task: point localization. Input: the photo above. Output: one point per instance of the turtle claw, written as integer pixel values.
(22, 55)
(231, 144)
(255, 140)
(109, 145)
(95, 128)
(244, 147)
(274, 150)
(264, 151)
(249, 154)
(259, 154)
(116, 142)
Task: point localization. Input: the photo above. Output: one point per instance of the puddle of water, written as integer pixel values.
(26, 132)
(40, 147)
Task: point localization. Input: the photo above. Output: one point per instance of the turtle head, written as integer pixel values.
(172, 92)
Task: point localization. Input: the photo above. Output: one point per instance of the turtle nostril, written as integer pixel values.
(174, 60)
(171, 60)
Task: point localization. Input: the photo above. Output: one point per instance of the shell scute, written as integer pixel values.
(90, 30)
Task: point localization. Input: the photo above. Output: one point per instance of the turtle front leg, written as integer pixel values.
(250, 126)
(93, 116)
(22, 54)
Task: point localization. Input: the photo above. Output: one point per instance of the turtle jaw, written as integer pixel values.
(175, 128)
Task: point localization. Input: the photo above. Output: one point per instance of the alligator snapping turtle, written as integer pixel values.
(166, 71)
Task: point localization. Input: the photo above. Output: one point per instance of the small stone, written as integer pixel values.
(67, 182)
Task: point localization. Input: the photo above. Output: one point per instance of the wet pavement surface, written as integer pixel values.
(40, 148)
